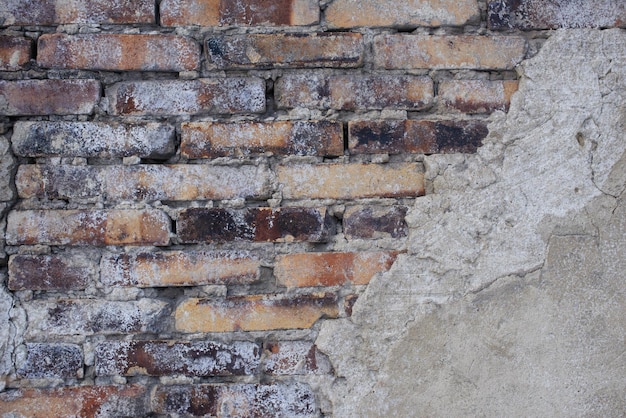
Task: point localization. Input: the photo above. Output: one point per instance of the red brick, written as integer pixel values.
(118, 52)
(350, 92)
(178, 268)
(416, 136)
(406, 13)
(162, 358)
(350, 181)
(477, 96)
(50, 272)
(46, 361)
(197, 225)
(375, 222)
(88, 227)
(83, 401)
(218, 139)
(286, 50)
(58, 12)
(14, 52)
(239, 13)
(254, 313)
(93, 139)
(539, 14)
(181, 97)
(294, 358)
(330, 269)
(142, 182)
(448, 52)
(48, 97)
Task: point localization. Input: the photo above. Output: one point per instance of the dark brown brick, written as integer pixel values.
(15, 51)
(375, 222)
(294, 358)
(52, 361)
(286, 50)
(50, 272)
(160, 358)
(286, 224)
(48, 97)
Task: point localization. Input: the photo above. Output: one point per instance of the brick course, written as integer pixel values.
(15, 51)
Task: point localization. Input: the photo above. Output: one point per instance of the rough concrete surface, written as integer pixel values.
(511, 298)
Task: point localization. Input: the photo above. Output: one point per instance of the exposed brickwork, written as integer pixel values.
(477, 96)
(15, 51)
(375, 222)
(52, 361)
(294, 358)
(50, 272)
(45, 97)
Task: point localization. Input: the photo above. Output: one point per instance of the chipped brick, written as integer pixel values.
(369, 222)
(477, 96)
(50, 272)
(15, 51)
(52, 361)
(294, 358)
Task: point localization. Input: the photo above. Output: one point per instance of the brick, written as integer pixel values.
(178, 268)
(48, 97)
(537, 14)
(408, 13)
(197, 225)
(50, 272)
(294, 358)
(59, 12)
(162, 358)
(254, 313)
(93, 139)
(416, 136)
(367, 222)
(118, 52)
(350, 181)
(88, 227)
(448, 52)
(330, 269)
(83, 401)
(142, 182)
(46, 361)
(238, 13)
(94, 316)
(350, 92)
(477, 96)
(15, 51)
(286, 50)
(181, 97)
(216, 139)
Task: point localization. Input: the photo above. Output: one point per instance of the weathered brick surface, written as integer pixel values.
(350, 181)
(50, 272)
(330, 269)
(537, 14)
(477, 96)
(94, 316)
(216, 139)
(93, 139)
(15, 51)
(83, 401)
(174, 97)
(118, 52)
(254, 313)
(161, 358)
(88, 227)
(56, 12)
(48, 97)
(52, 361)
(448, 52)
(408, 13)
(286, 50)
(294, 358)
(351, 92)
(238, 13)
(416, 136)
(295, 400)
(366, 222)
(286, 224)
(178, 268)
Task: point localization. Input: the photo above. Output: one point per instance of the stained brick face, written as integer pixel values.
(15, 51)
(45, 97)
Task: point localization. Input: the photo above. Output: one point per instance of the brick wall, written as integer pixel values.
(192, 185)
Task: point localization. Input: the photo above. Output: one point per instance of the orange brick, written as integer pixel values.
(331, 269)
(406, 13)
(239, 13)
(118, 52)
(215, 139)
(350, 181)
(448, 52)
(254, 313)
(88, 227)
(477, 96)
(14, 52)
(178, 268)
